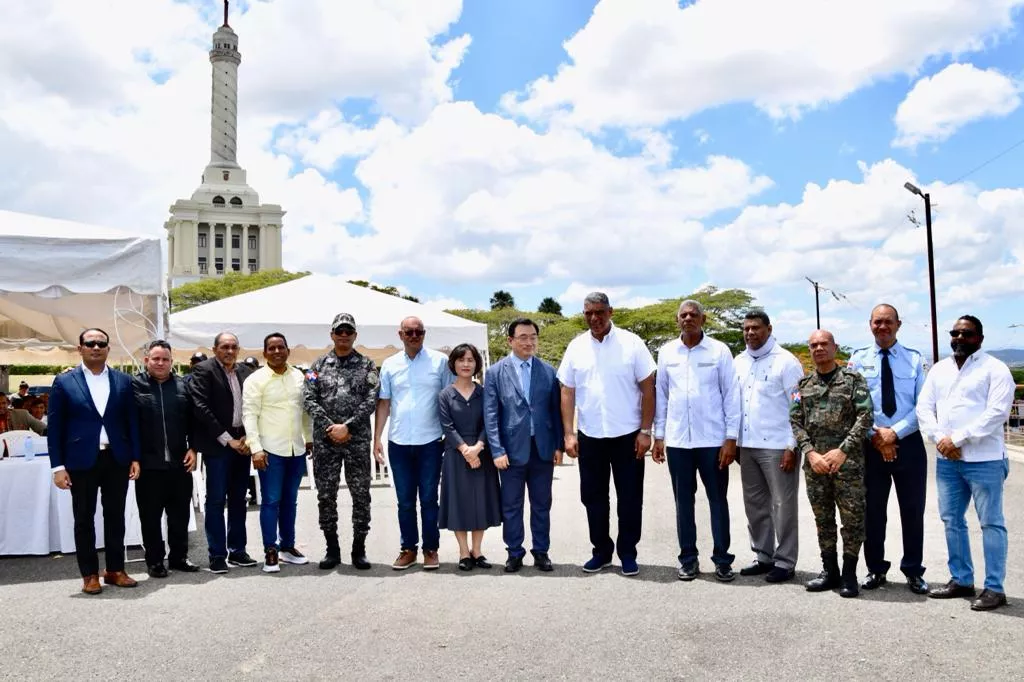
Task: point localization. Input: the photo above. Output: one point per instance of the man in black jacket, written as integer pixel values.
(216, 392)
(167, 461)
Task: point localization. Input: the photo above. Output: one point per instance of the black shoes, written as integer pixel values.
(688, 572)
(330, 560)
(952, 590)
(241, 559)
(183, 566)
(848, 580)
(218, 565)
(757, 568)
(157, 571)
(543, 562)
(917, 585)
(466, 563)
(828, 579)
(359, 560)
(513, 564)
(874, 581)
(481, 561)
(988, 600)
(724, 574)
(779, 575)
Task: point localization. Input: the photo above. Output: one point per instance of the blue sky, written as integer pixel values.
(641, 147)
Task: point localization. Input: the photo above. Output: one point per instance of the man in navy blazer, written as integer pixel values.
(93, 440)
(524, 429)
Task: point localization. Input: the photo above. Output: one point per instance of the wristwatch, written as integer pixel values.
(645, 432)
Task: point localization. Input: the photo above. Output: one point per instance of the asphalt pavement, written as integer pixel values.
(303, 623)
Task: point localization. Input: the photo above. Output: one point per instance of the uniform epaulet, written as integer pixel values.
(912, 350)
(849, 370)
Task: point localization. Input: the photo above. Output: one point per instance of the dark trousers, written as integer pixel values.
(110, 479)
(598, 456)
(909, 473)
(159, 491)
(683, 466)
(535, 477)
(417, 472)
(227, 480)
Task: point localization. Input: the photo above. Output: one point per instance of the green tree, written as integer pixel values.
(389, 290)
(502, 299)
(550, 305)
(497, 322)
(229, 284)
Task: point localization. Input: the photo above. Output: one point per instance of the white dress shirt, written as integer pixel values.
(698, 399)
(99, 389)
(767, 386)
(606, 376)
(969, 405)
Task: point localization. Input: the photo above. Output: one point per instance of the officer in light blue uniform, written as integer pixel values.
(894, 453)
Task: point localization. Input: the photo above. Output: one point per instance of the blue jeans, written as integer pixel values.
(280, 485)
(227, 480)
(683, 466)
(417, 470)
(957, 482)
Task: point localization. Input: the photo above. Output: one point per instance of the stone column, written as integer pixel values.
(245, 249)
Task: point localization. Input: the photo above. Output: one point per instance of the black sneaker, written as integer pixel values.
(157, 571)
(724, 574)
(688, 571)
(241, 559)
(183, 566)
(218, 565)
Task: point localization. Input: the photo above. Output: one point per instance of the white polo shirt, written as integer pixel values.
(606, 376)
(968, 404)
(767, 386)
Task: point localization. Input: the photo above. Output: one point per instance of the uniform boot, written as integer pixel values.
(849, 587)
(333, 556)
(828, 579)
(359, 554)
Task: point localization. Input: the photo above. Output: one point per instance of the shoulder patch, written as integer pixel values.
(795, 396)
(312, 376)
(372, 378)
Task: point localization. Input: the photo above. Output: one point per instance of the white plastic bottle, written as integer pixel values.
(29, 447)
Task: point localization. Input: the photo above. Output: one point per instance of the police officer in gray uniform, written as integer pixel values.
(340, 395)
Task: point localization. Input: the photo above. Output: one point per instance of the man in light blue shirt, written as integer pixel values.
(895, 453)
(409, 384)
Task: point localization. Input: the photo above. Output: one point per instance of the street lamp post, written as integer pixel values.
(931, 264)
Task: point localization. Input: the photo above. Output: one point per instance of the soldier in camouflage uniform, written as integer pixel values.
(340, 395)
(831, 414)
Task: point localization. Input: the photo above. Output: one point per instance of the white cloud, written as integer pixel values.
(702, 136)
(645, 62)
(620, 297)
(939, 105)
(445, 303)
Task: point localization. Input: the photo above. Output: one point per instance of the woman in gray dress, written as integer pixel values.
(470, 493)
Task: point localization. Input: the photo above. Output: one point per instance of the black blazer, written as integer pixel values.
(212, 404)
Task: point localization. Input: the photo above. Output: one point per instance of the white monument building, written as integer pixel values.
(223, 227)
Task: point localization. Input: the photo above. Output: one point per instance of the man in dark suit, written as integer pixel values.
(93, 440)
(216, 392)
(523, 422)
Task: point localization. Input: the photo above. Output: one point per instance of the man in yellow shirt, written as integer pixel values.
(279, 435)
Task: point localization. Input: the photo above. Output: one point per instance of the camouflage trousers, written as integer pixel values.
(328, 461)
(843, 489)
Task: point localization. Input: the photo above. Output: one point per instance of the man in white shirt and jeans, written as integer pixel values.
(608, 374)
(965, 401)
(697, 421)
(768, 375)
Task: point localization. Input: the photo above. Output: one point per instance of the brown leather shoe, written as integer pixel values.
(91, 584)
(430, 561)
(952, 590)
(988, 600)
(406, 558)
(119, 578)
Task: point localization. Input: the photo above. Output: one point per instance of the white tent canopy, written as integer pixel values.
(60, 277)
(303, 310)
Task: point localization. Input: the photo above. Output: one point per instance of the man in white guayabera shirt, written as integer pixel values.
(962, 408)
(768, 375)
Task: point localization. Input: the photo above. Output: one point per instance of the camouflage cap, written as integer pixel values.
(343, 320)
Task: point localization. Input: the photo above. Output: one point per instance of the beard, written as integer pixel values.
(963, 349)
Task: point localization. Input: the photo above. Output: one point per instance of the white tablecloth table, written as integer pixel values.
(36, 517)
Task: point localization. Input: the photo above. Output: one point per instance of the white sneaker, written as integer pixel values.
(293, 556)
(271, 565)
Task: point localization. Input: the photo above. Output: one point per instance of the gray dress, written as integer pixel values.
(470, 498)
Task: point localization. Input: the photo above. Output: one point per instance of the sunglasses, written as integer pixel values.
(344, 331)
(95, 344)
(414, 333)
(962, 333)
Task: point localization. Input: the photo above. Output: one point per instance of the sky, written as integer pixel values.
(644, 148)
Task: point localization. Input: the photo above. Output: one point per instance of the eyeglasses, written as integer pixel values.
(95, 344)
(964, 333)
(414, 333)
(344, 331)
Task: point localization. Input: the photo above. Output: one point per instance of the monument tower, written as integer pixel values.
(223, 227)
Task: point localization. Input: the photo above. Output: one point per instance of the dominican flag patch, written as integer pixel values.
(312, 376)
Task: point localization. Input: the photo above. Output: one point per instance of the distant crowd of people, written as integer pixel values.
(467, 448)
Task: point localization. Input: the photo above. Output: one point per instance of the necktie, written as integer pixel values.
(888, 386)
(524, 376)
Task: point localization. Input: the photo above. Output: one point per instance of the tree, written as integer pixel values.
(502, 299)
(389, 290)
(550, 305)
(230, 284)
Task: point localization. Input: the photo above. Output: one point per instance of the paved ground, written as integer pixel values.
(306, 624)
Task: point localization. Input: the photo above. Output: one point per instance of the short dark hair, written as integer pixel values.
(274, 335)
(758, 314)
(519, 321)
(216, 339)
(890, 306)
(459, 351)
(17, 401)
(975, 321)
(159, 343)
(81, 337)
(2, 394)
